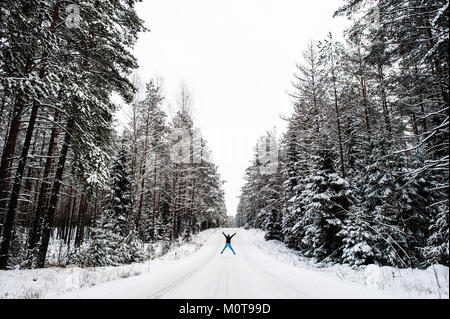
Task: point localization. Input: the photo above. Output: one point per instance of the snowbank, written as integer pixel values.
(264, 269)
(37, 283)
(432, 282)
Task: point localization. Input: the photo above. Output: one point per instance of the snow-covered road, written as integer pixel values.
(252, 273)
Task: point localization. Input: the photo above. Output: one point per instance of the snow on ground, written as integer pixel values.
(260, 269)
(432, 282)
(41, 283)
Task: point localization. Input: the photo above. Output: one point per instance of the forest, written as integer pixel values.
(71, 185)
(361, 174)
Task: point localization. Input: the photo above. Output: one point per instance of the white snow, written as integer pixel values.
(261, 269)
(41, 283)
(401, 283)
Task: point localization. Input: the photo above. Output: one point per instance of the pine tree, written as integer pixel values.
(57, 68)
(414, 109)
(274, 226)
(358, 238)
(436, 250)
(290, 155)
(119, 200)
(326, 202)
(114, 239)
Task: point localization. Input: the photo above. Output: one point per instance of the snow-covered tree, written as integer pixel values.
(114, 240)
(274, 226)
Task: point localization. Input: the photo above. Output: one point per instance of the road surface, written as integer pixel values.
(251, 273)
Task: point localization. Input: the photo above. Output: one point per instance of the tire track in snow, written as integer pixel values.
(274, 279)
(161, 292)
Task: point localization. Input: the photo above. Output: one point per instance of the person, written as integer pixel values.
(228, 242)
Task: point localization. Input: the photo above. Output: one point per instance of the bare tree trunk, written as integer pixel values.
(72, 214)
(11, 213)
(384, 106)
(49, 219)
(2, 108)
(338, 122)
(67, 215)
(45, 187)
(28, 184)
(141, 196)
(80, 227)
(142, 172)
(365, 103)
(414, 124)
(174, 205)
(154, 203)
(192, 202)
(9, 149)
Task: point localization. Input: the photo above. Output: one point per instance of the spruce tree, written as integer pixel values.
(274, 226)
(326, 201)
(114, 239)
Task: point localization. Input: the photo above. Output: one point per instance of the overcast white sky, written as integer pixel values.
(237, 58)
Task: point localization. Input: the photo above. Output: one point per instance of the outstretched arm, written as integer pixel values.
(224, 234)
(233, 235)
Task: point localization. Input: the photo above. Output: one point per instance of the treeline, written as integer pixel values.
(363, 168)
(65, 175)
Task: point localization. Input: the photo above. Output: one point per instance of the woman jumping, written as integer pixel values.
(228, 242)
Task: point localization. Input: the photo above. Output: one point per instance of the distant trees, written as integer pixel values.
(260, 204)
(365, 155)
